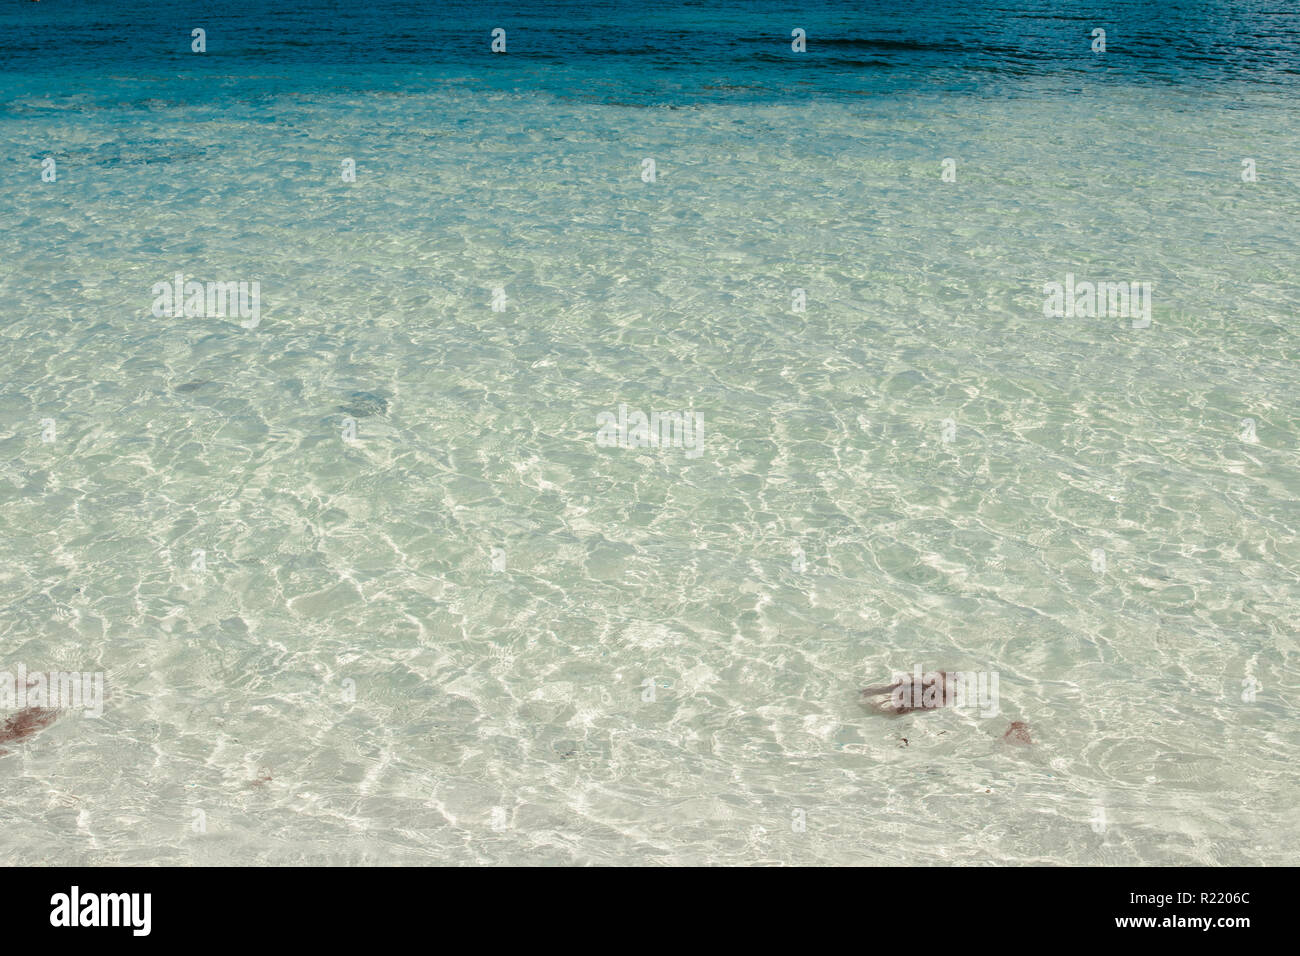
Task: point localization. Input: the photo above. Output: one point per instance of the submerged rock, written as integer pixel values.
(1018, 733)
(932, 690)
(24, 724)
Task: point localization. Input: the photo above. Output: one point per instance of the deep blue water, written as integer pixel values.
(638, 52)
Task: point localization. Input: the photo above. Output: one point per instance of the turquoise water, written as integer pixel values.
(366, 588)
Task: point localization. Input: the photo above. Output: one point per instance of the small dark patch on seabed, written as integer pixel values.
(1018, 733)
(24, 724)
(365, 404)
(263, 778)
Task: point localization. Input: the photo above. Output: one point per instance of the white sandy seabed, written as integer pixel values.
(439, 642)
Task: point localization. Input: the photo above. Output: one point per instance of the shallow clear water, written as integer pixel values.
(435, 642)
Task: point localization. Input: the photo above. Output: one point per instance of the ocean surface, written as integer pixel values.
(366, 585)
